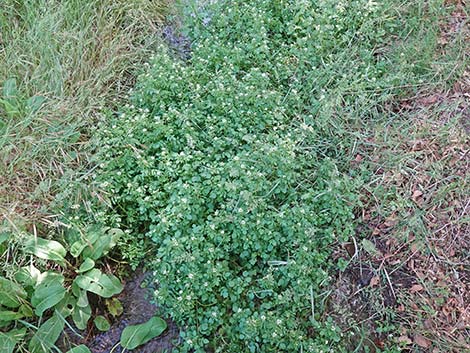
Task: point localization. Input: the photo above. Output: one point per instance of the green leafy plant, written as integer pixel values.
(231, 168)
(80, 349)
(101, 323)
(135, 335)
(59, 292)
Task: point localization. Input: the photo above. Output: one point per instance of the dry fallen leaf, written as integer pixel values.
(422, 341)
(416, 288)
(405, 339)
(430, 99)
(374, 281)
(416, 195)
(415, 247)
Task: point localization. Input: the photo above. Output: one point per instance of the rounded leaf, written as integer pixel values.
(87, 265)
(136, 335)
(46, 249)
(99, 283)
(79, 349)
(102, 323)
(114, 306)
(25, 277)
(80, 316)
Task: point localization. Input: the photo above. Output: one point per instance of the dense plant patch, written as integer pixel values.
(53, 287)
(224, 170)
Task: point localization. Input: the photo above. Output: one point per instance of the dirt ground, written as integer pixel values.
(413, 269)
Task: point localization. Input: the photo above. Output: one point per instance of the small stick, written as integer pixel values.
(312, 303)
(389, 283)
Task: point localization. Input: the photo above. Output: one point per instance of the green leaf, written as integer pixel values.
(46, 335)
(369, 247)
(82, 298)
(103, 243)
(136, 335)
(87, 265)
(80, 316)
(9, 88)
(8, 340)
(26, 310)
(10, 106)
(99, 283)
(101, 323)
(34, 103)
(93, 233)
(114, 306)
(11, 293)
(28, 275)
(77, 248)
(66, 305)
(48, 293)
(46, 249)
(4, 236)
(79, 349)
(8, 315)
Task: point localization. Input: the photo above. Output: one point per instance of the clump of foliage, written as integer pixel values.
(54, 290)
(224, 167)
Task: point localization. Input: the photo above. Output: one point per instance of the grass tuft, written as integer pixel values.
(73, 58)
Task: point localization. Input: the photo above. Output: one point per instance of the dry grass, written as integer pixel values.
(81, 56)
(407, 285)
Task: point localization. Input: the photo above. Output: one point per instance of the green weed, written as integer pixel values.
(231, 169)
